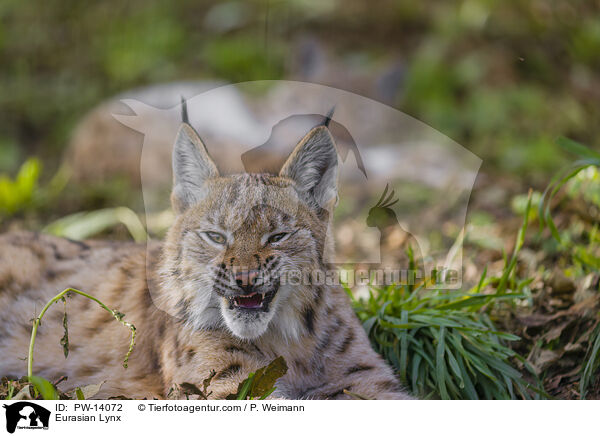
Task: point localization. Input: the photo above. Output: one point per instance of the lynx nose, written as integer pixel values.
(246, 280)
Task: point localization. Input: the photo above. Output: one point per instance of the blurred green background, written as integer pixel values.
(503, 78)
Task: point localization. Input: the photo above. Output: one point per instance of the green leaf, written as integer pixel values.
(478, 300)
(44, 387)
(82, 225)
(79, 394)
(403, 346)
(27, 178)
(577, 148)
(440, 364)
(266, 377)
(243, 389)
(415, 371)
(261, 383)
(17, 195)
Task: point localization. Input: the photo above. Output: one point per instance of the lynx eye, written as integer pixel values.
(277, 237)
(216, 237)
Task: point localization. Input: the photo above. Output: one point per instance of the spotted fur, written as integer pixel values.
(186, 294)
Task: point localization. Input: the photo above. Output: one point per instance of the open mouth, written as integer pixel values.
(253, 302)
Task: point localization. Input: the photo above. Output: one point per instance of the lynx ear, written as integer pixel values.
(192, 166)
(313, 166)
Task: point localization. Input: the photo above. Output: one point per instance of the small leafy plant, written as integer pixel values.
(587, 158)
(44, 387)
(260, 384)
(18, 193)
(257, 386)
(24, 192)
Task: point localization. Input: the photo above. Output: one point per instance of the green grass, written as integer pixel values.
(442, 348)
(585, 256)
(443, 344)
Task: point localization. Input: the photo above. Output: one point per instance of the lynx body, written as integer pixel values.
(216, 294)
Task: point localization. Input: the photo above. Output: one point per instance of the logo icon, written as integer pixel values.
(385, 219)
(26, 415)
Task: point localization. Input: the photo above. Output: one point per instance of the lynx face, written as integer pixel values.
(238, 239)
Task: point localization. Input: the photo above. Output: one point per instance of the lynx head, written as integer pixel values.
(238, 239)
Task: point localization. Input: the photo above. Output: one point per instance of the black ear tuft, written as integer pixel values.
(184, 111)
(329, 116)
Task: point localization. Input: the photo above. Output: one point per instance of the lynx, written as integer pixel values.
(216, 294)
